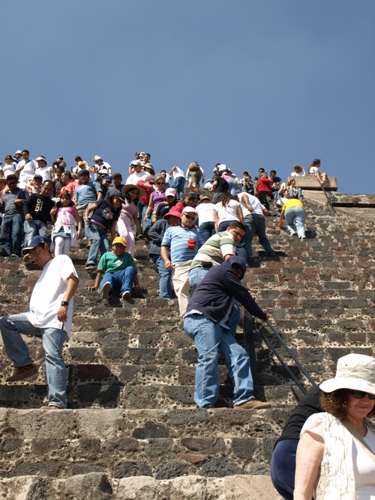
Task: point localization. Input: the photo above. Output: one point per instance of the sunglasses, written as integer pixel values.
(361, 395)
(162, 183)
(189, 217)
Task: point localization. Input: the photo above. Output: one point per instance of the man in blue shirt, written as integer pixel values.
(87, 192)
(183, 243)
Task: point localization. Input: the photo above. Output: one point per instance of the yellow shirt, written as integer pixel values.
(293, 202)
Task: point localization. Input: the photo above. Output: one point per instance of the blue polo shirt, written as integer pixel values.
(176, 238)
(86, 193)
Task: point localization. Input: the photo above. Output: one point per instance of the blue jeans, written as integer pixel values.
(165, 287)
(33, 228)
(255, 224)
(11, 235)
(299, 193)
(210, 340)
(99, 241)
(206, 230)
(295, 215)
(142, 209)
(121, 280)
(53, 339)
(283, 467)
(179, 186)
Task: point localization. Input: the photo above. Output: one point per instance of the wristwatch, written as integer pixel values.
(64, 303)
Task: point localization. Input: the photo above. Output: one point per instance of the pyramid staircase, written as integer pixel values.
(131, 429)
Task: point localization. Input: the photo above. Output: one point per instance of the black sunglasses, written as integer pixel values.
(361, 395)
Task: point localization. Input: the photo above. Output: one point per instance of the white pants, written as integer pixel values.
(180, 278)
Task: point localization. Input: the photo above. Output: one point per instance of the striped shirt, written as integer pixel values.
(215, 249)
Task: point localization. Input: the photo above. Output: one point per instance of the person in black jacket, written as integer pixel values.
(37, 210)
(206, 321)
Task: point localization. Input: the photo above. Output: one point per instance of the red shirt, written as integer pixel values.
(146, 197)
(264, 185)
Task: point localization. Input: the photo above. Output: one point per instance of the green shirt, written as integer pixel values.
(111, 263)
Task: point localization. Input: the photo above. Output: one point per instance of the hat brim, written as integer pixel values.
(172, 214)
(128, 187)
(355, 384)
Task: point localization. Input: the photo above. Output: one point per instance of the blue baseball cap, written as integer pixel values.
(35, 242)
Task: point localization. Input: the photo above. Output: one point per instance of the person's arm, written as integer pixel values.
(71, 288)
(52, 173)
(241, 294)
(172, 170)
(216, 221)
(113, 230)
(96, 284)
(240, 215)
(88, 211)
(309, 457)
(149, 208)
(53, 214)
(136, 222)
(79, 223)
(164, 254)
(245, 201)
(281, 221)
(213, 187)
(28, 207)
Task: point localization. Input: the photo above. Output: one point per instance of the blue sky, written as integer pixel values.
(249, 83)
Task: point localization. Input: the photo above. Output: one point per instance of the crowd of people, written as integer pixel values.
(200, 244)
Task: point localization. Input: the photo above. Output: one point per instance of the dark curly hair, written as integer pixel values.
(336, 403)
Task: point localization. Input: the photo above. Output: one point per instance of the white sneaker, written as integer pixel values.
(106, 289)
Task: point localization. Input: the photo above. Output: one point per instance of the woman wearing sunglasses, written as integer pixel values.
(156, 197)
(335, 455)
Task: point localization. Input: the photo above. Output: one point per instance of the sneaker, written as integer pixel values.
(52, 407)
(126, 295)
(302, 237)
(106, 289)
(271, 253)
(253, 404)
(89, 266)
(23, 372)
(293, 233)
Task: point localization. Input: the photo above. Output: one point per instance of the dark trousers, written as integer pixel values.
(283, 467)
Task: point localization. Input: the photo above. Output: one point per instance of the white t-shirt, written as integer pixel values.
(229, 212)
(205, 212)
(140, 176)
(27, 172)
(8, 169)
(45, 172)
(48, 293)
(177, 172)
(253, 201)
(364, 468)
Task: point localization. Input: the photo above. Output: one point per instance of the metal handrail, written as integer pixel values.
(250, 349)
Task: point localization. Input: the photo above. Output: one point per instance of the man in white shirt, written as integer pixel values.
(100, 168)
(138, 174)
(25, 169)
(49, 318)
(253, 212)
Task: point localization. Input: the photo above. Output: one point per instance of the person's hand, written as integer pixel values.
(168, 265)
(53, 210)
(62, 313)
(281, 224)
(91, 288)
(28, 217)
(79, 234)
(18, 202)
(146, 218)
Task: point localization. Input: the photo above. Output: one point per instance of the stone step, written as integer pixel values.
(97, 485)
(88, 394)
(122, 443)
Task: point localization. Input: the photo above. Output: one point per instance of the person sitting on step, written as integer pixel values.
(116, 271)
